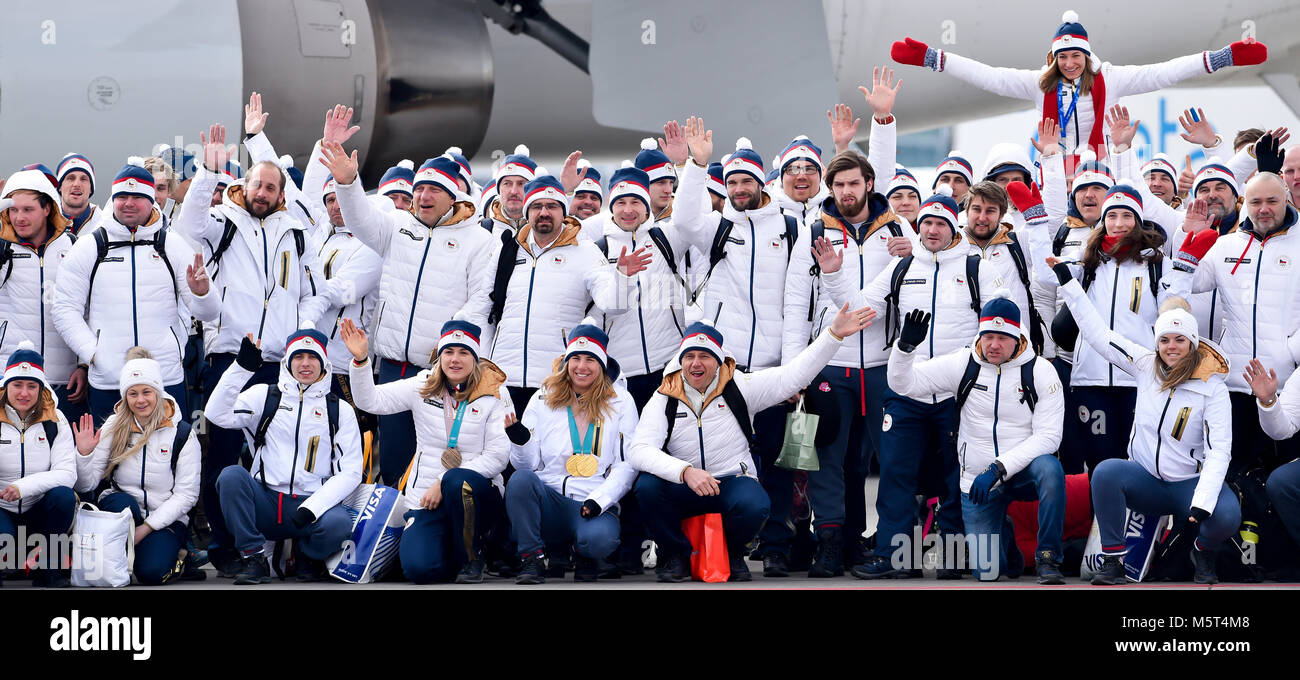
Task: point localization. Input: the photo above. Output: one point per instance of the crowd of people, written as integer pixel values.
(521, 360)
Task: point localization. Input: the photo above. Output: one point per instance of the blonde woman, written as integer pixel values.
(135, 455)
(1181, 441)
(453, 482)
(570, 463)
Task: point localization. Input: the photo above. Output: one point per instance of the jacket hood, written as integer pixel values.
(289, 384)
(674, 384)
(459, 212)
(1000, 237)
(767, 207)
(878, 215)
(568, 236)
(1024, 353)
(489, 382)
(33, 180)
(495, 212)
(1212, 363)
(153, 224)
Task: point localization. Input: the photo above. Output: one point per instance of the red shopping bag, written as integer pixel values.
(709, 561)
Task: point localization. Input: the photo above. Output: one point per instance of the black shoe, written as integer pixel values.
(855, 552)
(190, 570)
(503, 568)
(51, 578)
(472, 571)
(310, 571)
(1048, 569)
(629, 565)
(585, 570)
(253, 570)
(673, 568)
(226, 561)
(828, 561)
(739, 570)
(1111, 572)
(532, 570)
(557, 567)
(608, 571)
(774, 566)
(1203, 563)
(878, 567)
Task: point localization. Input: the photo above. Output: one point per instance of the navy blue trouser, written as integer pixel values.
(435, 543)
(913, 431)
(1119, 484)
(743, 504)
(193, 365)
(50, 516)
(1283, 488)
(769, 431)
(255, 513)
(157, 556)
(396, 430)
(853, 402)
(1098, 426)
(101, 402)
(1041, 481)
(224, 446)
(540, 516)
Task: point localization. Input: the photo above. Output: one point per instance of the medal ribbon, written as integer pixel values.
(584, 446)
(1074, 101)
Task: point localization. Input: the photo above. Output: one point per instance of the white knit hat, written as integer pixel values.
(140, 372)
(1179, 321)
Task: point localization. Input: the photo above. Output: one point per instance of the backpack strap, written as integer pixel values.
(791, 236)
(51, 431)
(894, 228)
(670, 411)
(332, 411)
(603, 244)
(269, 407)
(892, 318)
(227, 237)
(1154, 273)
(973, 282)
(299, 242)
(182, 434)
(505, 268)
(968, 379)
(660, 240)
(1028, 392)
(1022, 269)
(717, 252)
(1058, 241)
(6, 258)
(101, 252)
(736, 402)
(816, 230)
(160, 247)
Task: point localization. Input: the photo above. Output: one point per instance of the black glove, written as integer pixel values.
(1198, 514)
(915, 325)
(590, 509)
(1063, 273)
(249, 357)
(302, 517)
(518, 434)
(1269, 155)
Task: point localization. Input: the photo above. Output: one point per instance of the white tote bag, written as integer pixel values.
(103, 552)
(1141, 535)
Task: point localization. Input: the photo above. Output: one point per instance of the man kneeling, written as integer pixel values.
(306, 457)
(1010, 408)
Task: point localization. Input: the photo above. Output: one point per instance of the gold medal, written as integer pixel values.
(582, 465)
(451, 458)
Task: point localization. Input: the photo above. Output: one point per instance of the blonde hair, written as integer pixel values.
(120, 431)
(594, 405)
(1180, 372)
(438, 381)
(157, 166)
(1052, 76)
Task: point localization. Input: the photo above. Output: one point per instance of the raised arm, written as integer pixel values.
(196, 219)
(1123, 353)
(1007, 82)
(227, 406)
(690, 220)
(393, 397)
(373, 226)
(772, 386)
(910, 378)
(1137, 79)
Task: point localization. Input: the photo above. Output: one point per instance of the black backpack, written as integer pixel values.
(735, 402)
(892, 319)
(1022, 268)
(103, 246)
(505, 268)
(6, 259)
(228, 237)
(1028, 394)
(718, 250)
(660, 240)
(272, 404)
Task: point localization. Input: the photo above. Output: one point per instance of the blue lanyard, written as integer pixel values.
(581, 447)
(1060, 101)
(455, 426)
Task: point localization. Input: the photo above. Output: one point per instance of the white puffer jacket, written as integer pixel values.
(547, 296)
(428, 273)
(716, 444)
(934, 283)
(351, 272)
(299, 456)
(645, 337)
(164, 494)
(804, 292)
(265, 287)
(995, 424)
(1001, 265)
(550, 445)
(27, 459)
(482, 438)
(134, 300)
(27, 284)
(1258, 281)
(743, 298)
(1177, 434)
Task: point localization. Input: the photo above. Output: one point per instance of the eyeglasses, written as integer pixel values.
(801, 170)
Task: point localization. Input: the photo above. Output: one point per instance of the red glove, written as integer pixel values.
(1027, 199)
(1194, 248)
(1246, 54)
(912, 52)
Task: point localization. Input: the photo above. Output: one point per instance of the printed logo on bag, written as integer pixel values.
(825, 387)
(1284, 261)
(887, 423)
(452, 245)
